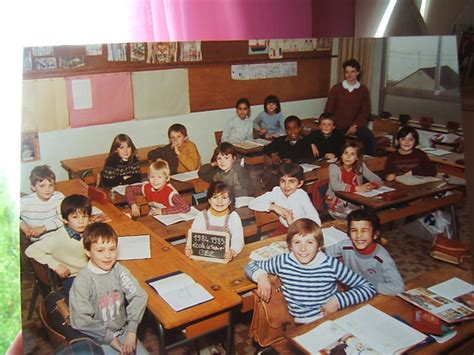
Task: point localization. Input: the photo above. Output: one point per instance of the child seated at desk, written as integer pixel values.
(270, 122)
(347, 175)
(364, 255)
(106, 302)
(288, 200)
(220, 216)
(62, 250)
(161, 196)
(39, 211)
(309, 277)
(122, 166)
(225, 167)
(292, 148)
(239, 128)
(408, 160)
(181, 154)
(327, 141)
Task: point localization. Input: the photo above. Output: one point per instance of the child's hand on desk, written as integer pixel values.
(364, 188)
(331, 306)
(281, 211)
(264, 289)
(187, 251)
(130, 343)
(330, 156)
(155, 211)
(390, 177)
(62, 270)
(229, 255)
(135, 210)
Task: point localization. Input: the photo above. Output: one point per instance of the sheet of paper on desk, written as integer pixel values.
(186, 176)
(243, 201)
(375, 192)
(247, 145)
(411, 180)
(262, 141)
(180, 291)
(369, 327)
(309, 167)
(168, 219)
(333, 235)
(134, 247)
(98, 215)
(120, 189)
(435, 151)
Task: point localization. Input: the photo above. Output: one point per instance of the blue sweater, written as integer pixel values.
(308, 287)
(275, 124)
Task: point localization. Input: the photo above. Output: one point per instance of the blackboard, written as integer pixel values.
(208, 245)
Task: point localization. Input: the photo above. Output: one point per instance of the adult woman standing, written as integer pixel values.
(349, 101)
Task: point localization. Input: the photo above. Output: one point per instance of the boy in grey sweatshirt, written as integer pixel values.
(97, 297)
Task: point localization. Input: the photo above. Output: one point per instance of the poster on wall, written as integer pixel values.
(258, 46)
(162, 52)
(29, 147)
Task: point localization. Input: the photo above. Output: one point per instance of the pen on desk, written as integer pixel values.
(444, 183)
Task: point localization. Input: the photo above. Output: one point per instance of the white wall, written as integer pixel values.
(76, 142)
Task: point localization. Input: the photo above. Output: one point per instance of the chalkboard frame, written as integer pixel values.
(212, 233)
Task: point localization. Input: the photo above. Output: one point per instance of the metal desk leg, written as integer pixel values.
(161, 338)
(230, 334)
(454, 222)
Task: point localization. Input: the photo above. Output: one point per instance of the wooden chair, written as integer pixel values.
(92, 177)
(45, 281)
(58, 340)
(218, 137)
(266, 222)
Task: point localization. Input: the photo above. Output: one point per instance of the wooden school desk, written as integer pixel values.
(180, 229)
(449, 164)
(166, 259)
(78, 167)
(419, 199)
(393, 305)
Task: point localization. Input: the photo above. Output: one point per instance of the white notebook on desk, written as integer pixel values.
(168, 219)
(179, 290)
(186, 176)
(133, 247)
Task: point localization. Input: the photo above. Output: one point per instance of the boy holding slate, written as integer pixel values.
(220, 216)
(100, 291)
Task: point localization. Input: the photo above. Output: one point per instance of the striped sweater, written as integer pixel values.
(308, 287)
(36, 212)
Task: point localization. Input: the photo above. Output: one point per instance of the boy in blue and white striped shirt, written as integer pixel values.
(309, 277)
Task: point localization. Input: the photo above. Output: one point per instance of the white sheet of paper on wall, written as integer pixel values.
(81, 94)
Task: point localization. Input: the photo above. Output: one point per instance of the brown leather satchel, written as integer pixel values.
(270, 320)
(449, 250)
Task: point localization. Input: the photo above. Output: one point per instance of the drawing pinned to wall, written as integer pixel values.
(258, 46)
(275, 49)
(42, 51)
(71, 62)
(137, 52)
(81, 94)
(264, 71)
(27, 62)
(299, 45)
(190, 51)
(323, 44)
(29, 147)
(45, 63)
(116, 52)
(94, 49)
(162, 52)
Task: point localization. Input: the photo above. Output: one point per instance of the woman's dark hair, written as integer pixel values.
(351, 63)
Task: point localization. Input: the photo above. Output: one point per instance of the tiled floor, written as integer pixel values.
(410, 253)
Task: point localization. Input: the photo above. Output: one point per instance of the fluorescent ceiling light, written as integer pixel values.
(386, 16)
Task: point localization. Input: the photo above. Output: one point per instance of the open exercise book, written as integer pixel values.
(364, 331)
(248, 144)
(451, 301)
(375, 192)
(168, 219)
(133, 247)
(411, 180)
(179, 290)
(331, 236)
(186, 176)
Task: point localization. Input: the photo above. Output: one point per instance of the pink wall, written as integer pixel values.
(164, 20)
